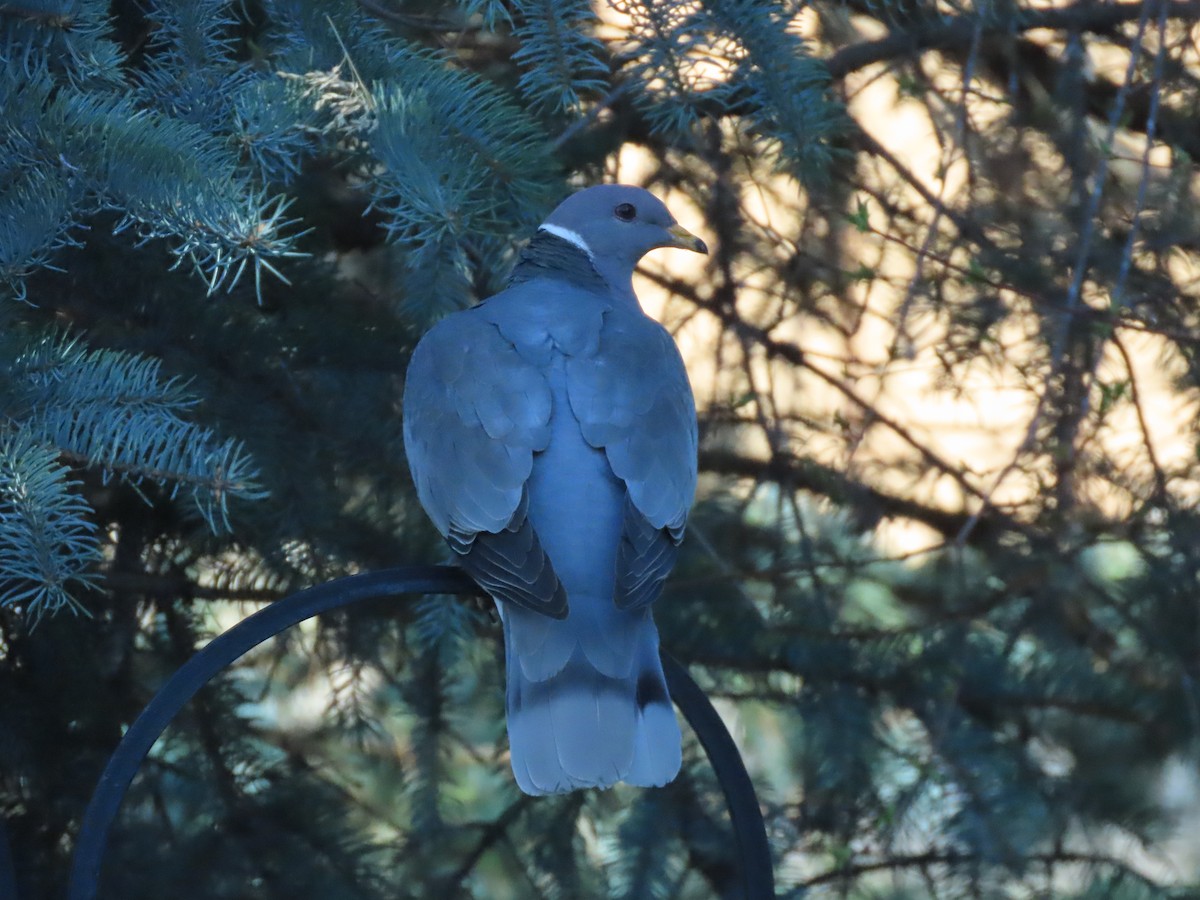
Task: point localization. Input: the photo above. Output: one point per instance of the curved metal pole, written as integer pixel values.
(269, 621)
(758, 879)
(8, 871)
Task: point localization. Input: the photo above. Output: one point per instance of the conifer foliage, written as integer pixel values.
(942, 572)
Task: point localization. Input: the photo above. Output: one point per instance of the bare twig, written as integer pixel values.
(960, 31)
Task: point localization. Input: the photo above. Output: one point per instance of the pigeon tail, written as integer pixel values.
(581, 727)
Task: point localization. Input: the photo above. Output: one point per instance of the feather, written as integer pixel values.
(581, 728)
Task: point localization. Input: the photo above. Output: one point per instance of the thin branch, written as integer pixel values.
(947, 33)
(827, 481)
(491, 835)
(955, 858)
(1066, 324)
(1160, 481)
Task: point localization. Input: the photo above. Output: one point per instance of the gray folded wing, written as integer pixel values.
(632, 398)
(474, 414)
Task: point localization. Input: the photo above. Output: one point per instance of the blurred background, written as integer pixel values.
(941, 576)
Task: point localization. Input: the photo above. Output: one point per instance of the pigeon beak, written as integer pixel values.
(685, 240)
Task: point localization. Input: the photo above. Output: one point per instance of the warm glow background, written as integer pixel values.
(982, 425)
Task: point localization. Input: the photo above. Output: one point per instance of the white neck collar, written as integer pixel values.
(571, 237)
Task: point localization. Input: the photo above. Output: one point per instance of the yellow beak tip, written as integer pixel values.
(685, 240)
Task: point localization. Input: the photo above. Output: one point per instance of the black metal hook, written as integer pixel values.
(754, 852)
(8, 871)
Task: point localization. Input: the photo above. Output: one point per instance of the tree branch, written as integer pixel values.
(959, 32)
(809, 475)
(954, 858)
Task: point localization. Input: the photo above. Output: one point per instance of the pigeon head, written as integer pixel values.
(617, 225)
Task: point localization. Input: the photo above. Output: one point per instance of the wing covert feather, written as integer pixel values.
(474, 414)
(633, 399)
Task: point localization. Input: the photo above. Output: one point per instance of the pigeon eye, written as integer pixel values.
(626, 212)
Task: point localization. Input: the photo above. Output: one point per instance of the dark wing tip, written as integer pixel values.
(644, 560)
(512, 566)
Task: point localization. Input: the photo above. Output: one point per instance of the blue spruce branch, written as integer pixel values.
(48, 543)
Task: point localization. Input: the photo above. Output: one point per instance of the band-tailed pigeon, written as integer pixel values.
(551, 433)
